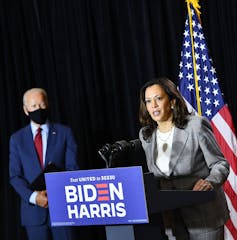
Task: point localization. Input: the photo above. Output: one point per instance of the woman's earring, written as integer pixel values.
(172, 107)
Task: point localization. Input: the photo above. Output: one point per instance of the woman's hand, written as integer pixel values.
(202, 185)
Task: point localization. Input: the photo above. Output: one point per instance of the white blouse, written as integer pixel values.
(164, 147)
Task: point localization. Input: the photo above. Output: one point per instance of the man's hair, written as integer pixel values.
(40, 90)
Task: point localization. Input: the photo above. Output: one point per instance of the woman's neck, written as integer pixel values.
(165, 126)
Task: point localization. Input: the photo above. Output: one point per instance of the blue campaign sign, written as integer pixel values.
(97, 197)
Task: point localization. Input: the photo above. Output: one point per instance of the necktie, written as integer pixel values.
(39, 146)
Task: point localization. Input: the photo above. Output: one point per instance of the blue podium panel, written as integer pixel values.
(97, 197)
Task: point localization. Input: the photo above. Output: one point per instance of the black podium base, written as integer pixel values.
(134, 232)
(120, 232)
(153, 230)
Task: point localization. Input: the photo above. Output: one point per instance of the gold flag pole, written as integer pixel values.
(196, 7)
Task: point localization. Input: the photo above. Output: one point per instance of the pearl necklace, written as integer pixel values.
(165, 138)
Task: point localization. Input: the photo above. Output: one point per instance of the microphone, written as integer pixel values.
(120, 146)
(135, 144)
(108, 151)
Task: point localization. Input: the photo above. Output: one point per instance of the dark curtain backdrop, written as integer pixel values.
(92, 57)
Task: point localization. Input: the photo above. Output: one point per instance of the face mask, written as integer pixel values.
(39, 116)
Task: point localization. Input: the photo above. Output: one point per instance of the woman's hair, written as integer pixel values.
(180, 110)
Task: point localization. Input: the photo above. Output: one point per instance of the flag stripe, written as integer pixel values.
(226, 132)
(231, 223)
(232, 196)
(228, 234)
(228, 154)
(225, 148)
(233, 180)
(232, 230)
(225, 113)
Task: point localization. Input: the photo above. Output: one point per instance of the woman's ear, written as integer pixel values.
(172, 103)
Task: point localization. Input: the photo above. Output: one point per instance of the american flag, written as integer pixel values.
(199, 86)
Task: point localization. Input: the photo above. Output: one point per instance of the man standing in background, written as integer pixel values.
(31, 149)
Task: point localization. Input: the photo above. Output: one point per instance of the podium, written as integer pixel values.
(124, 200)
(157, 202)
(97, 197)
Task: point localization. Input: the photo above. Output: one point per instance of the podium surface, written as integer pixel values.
(161, 200)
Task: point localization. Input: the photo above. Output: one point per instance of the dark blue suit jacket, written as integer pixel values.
(24, 165)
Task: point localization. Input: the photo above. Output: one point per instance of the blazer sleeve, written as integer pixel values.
(219, 166)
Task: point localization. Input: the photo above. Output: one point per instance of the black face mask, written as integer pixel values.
(39, 116)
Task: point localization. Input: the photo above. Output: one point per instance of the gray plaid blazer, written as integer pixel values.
(195, 154)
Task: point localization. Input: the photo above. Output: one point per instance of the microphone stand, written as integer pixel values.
(107, 163)
(108, 159)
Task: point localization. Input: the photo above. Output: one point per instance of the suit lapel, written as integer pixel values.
(50, 142)
(179, 140)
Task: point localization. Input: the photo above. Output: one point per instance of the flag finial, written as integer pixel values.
(196, 7)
